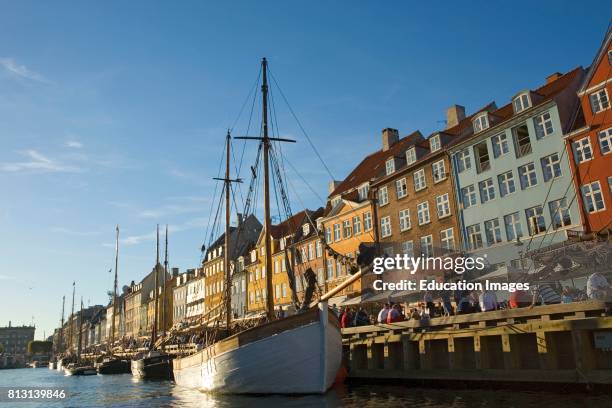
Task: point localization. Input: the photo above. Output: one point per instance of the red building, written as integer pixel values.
(590, 142)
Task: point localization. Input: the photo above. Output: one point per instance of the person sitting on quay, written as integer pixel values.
(361, 318)
(488, 301)
(346, 318)
(382, 315)
(446, 303)
(462, 300)
(544, 294)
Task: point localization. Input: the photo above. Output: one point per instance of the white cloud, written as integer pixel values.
(14, 68)
(151, 236)
(168, 210)
(73, 144)
(68, 231)
(38, 163)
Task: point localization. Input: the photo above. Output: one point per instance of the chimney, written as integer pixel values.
(175, 271)
(389, 138)
(454, 115)
(553, 77)
(332, 186)
(239, 219)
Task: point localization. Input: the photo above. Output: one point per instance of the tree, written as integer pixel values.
(39, 347)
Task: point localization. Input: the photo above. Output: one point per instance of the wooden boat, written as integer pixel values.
(74, 369)
(297, 355)
(153, 365)
(300, 354)
(113, 365)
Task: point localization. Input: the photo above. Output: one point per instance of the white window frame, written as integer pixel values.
(549, 165)
(411, 156)
(543, 125)
(385, 227)
(434, 143)
(474, 234)
(464, 162)
(383, 196)
(481, 122)
(536, 213)
(494, 227)
(347, 229)
(390, 166)
(408, 248)
(419, 180)
(468, 192)
(504, 180)
(427, 244)
(438, 170)
(583, 151)
(559, 208)
(447, 239)
(367, 221)
(423, 216)
(590, 194)
(404, 220)
(529, 171)
(501, 142)
(337, 232)
(605, 141)
(599, 100)
(521, 102)
(356, 225)
(401, 188)
(514, 227)
(487, 190)
(363, 191)
(443, 206)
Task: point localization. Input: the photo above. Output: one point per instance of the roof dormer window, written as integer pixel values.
(335, 201)
(434, 143)
(481, 122)
(521, 102)
(306, 229)
(390, 166)
(362, 191)
(410, 156)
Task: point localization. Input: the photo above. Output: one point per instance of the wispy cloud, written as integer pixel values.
(73, 144)
(37, 162)
(194, 223)
(75, 233)
(168, 210)
(14, 68)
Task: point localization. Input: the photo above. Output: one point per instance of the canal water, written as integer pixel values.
(124, 391)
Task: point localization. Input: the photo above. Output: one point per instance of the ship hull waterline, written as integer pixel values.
(156, 368)
(299, 360)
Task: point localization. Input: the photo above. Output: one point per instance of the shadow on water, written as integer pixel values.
(125, 391)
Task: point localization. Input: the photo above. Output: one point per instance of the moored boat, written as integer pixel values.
(113, 365)
(52, 365)
(153, 365)
(74, 369)
(304, 349)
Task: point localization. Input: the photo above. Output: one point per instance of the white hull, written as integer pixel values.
(300, 360)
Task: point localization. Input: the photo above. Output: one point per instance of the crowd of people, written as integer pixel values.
(451, 303)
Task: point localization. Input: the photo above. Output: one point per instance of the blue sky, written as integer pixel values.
(115, 112)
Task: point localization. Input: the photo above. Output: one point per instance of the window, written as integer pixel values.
(438, 170)
(419, 180)
(427, 246)
(521, 102)
(500, 145)
(357, 225)
(535, 220)
(593, 199)
(434, 143)
(605, 141)
(367, 221)
(319, 249)
(311, 254)
(512, 223)
(346, 229)
(559, 213)
(443, 206)
(551, 167)
(385, 226)
(330, 269)
(408, 248)
(338, 268)
(492, 232)
(284, 289)
(277, 263)
(363, 191)
(610, 184)
(487, 190)
(527, 175)
(423, 212)
(390, 166)
(481, 154)
(320, 276)
(481, 122)
(328, 235)
(543, 125)
(474, 237)
(383, 196)
(447, 240)
(410, 156)
(463, 160)
(522, 143)
(335, 201)
(582, 150)
(336, 232)
(401, 188)
(468, 196)
(599, 100)
(404, 219)
(506, 183)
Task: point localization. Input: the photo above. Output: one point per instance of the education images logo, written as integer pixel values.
(436, 265)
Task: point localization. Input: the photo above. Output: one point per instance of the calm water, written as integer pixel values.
(124, 391)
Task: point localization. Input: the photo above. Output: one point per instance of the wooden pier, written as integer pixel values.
(563, 344)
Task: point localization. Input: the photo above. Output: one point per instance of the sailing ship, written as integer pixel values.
(300, 354)
(112, 364)
(155, 364)
(79, 367)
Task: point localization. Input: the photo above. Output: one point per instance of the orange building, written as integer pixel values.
(589, 143)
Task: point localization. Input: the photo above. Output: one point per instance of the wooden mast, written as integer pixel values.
(156, 271)
(164, 286)
(61, 333)
(80, 332)
(112, 338)
(71, 318)
(266, 141)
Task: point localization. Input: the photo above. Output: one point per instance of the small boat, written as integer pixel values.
(113, 365)
(73, 369)
(52, 365)
(153, 365)
(33, 364)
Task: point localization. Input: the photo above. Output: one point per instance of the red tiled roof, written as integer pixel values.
(288, 226)
(370, 165)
